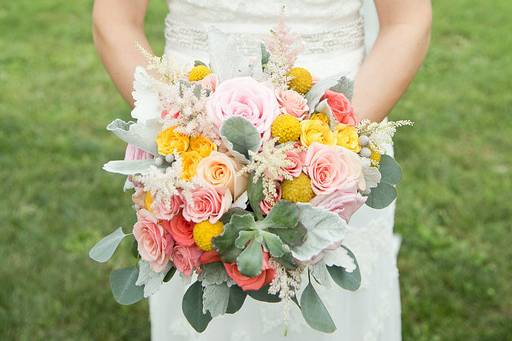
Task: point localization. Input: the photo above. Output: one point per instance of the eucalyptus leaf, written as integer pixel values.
(314, 311)
(250, 261)
(170, 274)
(128, 167)
(255, 193)
(105, 248)
(324, 230)
(284, 214)
(124, 289)
(192, 306)
(215, 299)
(236, 299)
(347, 280)
(241, 135)
(381, 196)
(390, 170)
(141, 135)
(263, 295)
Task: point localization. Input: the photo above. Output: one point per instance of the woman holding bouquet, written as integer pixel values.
(333, 33)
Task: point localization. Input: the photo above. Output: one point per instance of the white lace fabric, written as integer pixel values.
(333, 34)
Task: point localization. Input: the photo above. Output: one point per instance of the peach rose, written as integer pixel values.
(251, 283)
(166, 210)
(207, 203)
(138, 197)
(332, 168)
(153, 242)
(180, 230)
(186, 258)
(342, 203)
(297, 158)
(220, 171)
(340, 106)
(292, 103)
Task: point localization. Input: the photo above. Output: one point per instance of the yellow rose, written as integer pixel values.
(202, 145)
(321, 116)
(346, 137)
(189, 162)
(316, 131)
(169, 141)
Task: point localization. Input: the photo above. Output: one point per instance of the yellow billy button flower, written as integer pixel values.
(204, 232)
(198, 72)
(321, 116)
(300, 80)
(346, 137)
(189, 162)
(316, 131)
(148, 201)
(169, 142)
(298, 189)
(286, 128)
(203, 145)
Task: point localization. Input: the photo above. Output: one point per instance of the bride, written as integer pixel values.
(334, 33)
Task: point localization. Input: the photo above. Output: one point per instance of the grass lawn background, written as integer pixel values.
(454, 210)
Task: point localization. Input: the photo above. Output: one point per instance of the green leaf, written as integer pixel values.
(105, 248)
(381, 196)
(169, 274)
(314, 311)
(241, 135)
(263, 295)
(192, 306)
(347, 280)
(255, 194)
(291, 237)
(122, 283)
(265, 55)
(225, 243)
(389, 170)
(236, 299)
(273, 243)
(284, 214)
(250, 261)
(198, 62)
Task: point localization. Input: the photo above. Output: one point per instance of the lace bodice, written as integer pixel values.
(332, 30)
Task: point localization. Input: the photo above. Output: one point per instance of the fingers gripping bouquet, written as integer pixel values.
(245, 176)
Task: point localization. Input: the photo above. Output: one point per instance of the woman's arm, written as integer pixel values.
(398, 52)
(117, 26)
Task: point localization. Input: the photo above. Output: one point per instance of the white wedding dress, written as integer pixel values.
(334, 35)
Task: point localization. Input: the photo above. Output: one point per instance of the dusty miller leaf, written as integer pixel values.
(215, 299)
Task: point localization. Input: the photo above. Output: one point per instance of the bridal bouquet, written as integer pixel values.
(245, 174)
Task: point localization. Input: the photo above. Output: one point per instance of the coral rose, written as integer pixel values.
(292, 103)
(180, 229)
(342, 203)
(340, 106)
(251, 283)
(332, 168)
(207, 203)
(186, 258)
(220, 171)
(153, 242)
(316, 131)
(243, 97)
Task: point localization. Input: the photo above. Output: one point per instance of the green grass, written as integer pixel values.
(454, 212)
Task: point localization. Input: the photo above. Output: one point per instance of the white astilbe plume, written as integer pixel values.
(169, 71)
(269, 164)
(380, 134)
(283, 47)
(286, 284)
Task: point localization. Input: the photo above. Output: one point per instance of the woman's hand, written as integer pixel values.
(398, 52)
(117, 26)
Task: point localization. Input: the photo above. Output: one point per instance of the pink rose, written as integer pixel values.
(332, 168)
(209, 82)
(186, 258)
(153, 242)
(340, 106)
(266, 205)
(292, 103)
(180, 230)
(342, 203)
(207, 203)
(251, 283)
(166, 210)
(220, 171)
(243, 97)
(135, 153)
(297, 158)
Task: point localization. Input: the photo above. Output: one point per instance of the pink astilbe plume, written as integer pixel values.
(282, 44)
